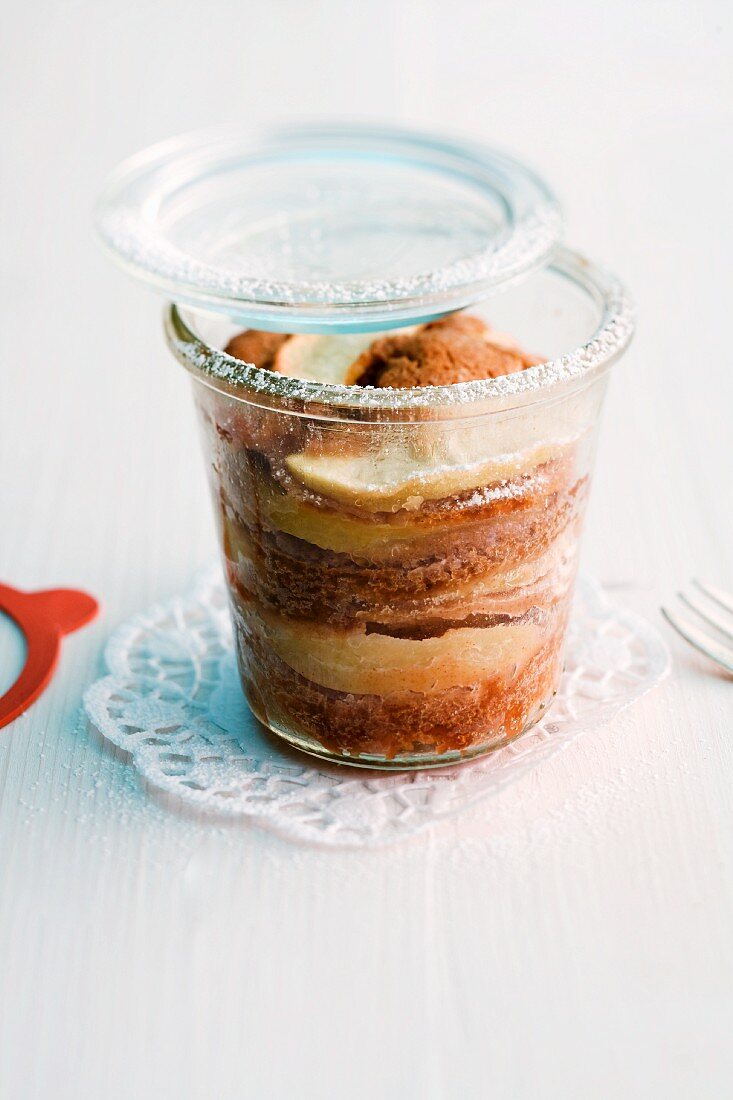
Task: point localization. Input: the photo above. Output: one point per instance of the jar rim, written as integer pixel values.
(258, 386)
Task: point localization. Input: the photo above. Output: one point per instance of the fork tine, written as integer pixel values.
(717, 595)
(712, 649)
(711, 617)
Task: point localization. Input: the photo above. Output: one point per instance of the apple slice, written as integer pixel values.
(322, 358)
(398, 478)
(358, 663)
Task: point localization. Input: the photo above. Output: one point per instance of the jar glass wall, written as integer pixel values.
(401, 564)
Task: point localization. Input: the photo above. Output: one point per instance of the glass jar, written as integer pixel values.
(400, 563)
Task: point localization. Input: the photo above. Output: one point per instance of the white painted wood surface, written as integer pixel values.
(571, 938)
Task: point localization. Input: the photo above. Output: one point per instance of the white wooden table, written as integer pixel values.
(569, 938)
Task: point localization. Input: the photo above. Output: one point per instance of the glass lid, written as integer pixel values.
(327, 229)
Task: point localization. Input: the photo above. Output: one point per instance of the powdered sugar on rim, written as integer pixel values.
(244, 380)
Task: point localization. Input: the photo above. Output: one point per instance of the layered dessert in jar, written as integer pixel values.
(399, 372)
(400, 590)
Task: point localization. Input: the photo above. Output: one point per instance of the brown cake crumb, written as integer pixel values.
(256, 347)
(457, 348)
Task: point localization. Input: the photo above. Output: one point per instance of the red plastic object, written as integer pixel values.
(44, 618)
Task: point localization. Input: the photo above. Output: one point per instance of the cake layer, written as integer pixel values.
(396, 487)
(259, 502)
(302, 582)
(452, 566)
(378, 541)
(490, 711)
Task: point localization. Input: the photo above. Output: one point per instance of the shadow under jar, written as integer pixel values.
(401, 563)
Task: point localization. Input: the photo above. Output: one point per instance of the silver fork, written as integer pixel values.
(715, 610)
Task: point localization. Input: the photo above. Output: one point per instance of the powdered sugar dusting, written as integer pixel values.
(139, 246)
(608, 342)
(327, 226)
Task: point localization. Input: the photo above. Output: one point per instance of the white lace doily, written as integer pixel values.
(173, 701)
